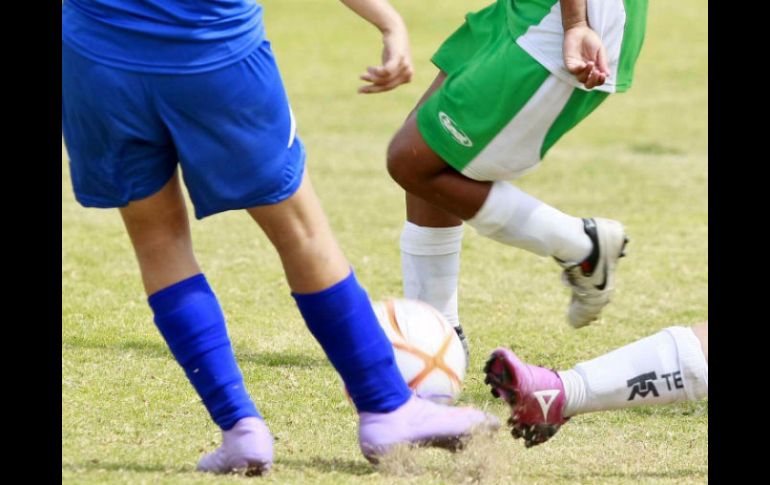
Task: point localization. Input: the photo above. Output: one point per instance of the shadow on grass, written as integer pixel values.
(360, 468)
(159, 350)
(326, 465)
(591, 476)
(97, 465)
(654, 149)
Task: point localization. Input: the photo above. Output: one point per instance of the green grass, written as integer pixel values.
(129, 415)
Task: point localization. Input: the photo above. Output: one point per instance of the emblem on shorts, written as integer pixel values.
(452, 129)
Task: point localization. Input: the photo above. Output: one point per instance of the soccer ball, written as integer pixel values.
(428, 351)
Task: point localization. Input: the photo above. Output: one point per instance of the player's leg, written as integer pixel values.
(121, 156)
(489, 122)
(191, 321)
(430, 243)
(338, 312)
(238, 150)
(669, 366)
(497, 210)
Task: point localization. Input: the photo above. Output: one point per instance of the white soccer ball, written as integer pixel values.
(428, 351)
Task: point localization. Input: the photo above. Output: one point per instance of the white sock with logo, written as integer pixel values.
(663, 368)
(430, 261)
(514, 217)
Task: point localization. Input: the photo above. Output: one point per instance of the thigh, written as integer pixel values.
(119, 149)
(235, 134)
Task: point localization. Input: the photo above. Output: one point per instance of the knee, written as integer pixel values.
(296, 238)
(161, 231)
(161, 245)
(401, 164)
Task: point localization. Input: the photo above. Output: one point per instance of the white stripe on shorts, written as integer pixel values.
(516, 148)
(293, 129)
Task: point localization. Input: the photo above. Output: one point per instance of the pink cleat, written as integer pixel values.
(246, 448)
(535, 394)
(423, 423)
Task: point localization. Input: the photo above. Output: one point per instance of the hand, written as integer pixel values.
(585, 56)
(396, 68)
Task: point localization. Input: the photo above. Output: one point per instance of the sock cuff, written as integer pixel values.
(496, 210)
(574, 391)
(168, 298)
(692, 362)
(431, 241)
(340, 286)
(332, 302)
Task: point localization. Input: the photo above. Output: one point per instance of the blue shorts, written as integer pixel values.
(230, 129)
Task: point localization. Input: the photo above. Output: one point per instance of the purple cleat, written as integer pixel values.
(246, 448)
(423, 423)
(535, 394)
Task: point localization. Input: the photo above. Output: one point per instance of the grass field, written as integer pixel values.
(130, 416)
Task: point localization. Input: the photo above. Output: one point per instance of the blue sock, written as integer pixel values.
(188, 316)
(342, 320)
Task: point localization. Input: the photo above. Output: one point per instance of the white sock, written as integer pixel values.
(430, 261)
(660, 369)
(513, 217)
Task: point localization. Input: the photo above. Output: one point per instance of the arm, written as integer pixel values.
(584, 53)
(396, 68)
(573, 13)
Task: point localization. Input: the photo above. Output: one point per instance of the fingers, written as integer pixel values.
(595, 78)
(591, 75)
(395, 65)
(379, 88)
(582, 74)
(388, 76)
(393, 69)
(601, 61)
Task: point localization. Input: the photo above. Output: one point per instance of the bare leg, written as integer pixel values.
(418, 211)
(420, 171)
(431, 242)
(160, 233)
(300, 232)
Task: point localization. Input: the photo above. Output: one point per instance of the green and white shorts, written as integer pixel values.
(498, 111)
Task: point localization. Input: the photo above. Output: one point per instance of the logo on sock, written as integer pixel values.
(451, 127)
(642, 385)
(675, 379)
(545, 399)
